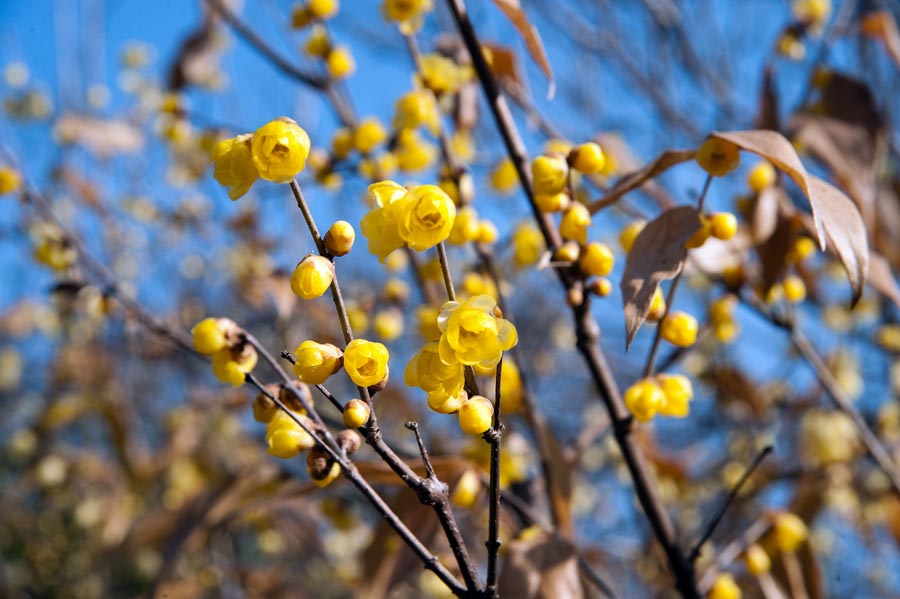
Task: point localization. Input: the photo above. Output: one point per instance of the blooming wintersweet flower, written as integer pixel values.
(366, 362)
(315, 362)
(427, 371)
(279, 150)
(425, 217)
(474, 332)
(379, 225)
(234, 166)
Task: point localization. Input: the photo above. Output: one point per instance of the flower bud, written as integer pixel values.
(312, 277)
(315, 362)
(339, 238)
(356, 413)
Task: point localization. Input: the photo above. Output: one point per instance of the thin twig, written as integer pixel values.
(429, 469)
(732, 550)
(445, 270)
(732, 495)
(493, 436)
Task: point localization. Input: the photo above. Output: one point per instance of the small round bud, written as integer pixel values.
(356, 413)
(794, 289)
(575, 222)
(789, 532)
(757, 560)
(567, 252)
(10, 180)
(285, 437)
(761, 176)
(475, 415)
(340, 63)
(718, 157)
(724, 587)
(315, 362)
(339, 238)
(552, 202)
(644, 399)
(723, 225)
(678, 391)
(312, 277)
(324, 9)
(588, 158)
(597, 260)
(264, 409)
(575, 296)
(396, 291)
(679, 328)
(466, 491)
(487, 232)
(349, 440)
(214, 334)
(600, 287)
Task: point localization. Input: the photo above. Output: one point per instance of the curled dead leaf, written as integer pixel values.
(631, 181)
(658, 254)
(513, 11)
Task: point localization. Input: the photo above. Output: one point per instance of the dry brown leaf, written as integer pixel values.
(543, 567)
(765, 213)
(775, 148)
(838, 217)
(657, 254)
(882, 26)
(773, 253)
(631, 181)
(102, 137)
(835, 216)
(516, 14)
(767, 115)
(504, 64)
(882, 279)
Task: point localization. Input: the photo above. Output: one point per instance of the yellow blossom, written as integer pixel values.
(473, 333)
(211, 334)
(10, 180)
(427, 371)
(312, 277)
(678, 393)
(504, 177)
(417, 108)
(442, 75)
(230, 366)
(644, 399)
(279, 150)
(366, 362)
(465, 226)
(425, 217)
(369, 134)
(379, 225)
(528, 244)
(234, 166)
(575, 223)
(549, 174)
(315, 362)
(285, 438)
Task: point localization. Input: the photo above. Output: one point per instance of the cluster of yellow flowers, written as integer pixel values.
(665, 394)
(472, 333)
(337, 58)
(276, 152)
(365, 362)
(232, 356)
(420, 218)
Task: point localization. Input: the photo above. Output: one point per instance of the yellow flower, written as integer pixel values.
(340, 62)
(369, 134)
(413, 152)
(724, 587)
(312, 277)
(597, 260)
(318, 43)
(761, 176)
(465, 226)
(588, 158)
(575, 222)
(439, 379)
(511, 387)
(339, 238)
(324, 9)
(366, 362)
(285, 437)
(211, 334)
(315, 362)
(425, 217)
(678, 393)
(404, 10)
(230, 366)
(10, 180)
(234, 165)
(679, 328)
(552, 202)
(356, 413)
(757, 560)
(504, 177)
(417, 108)
(718, 157)
(528, 244)
(473, 333)
(789, 532)
(550, 174)
(279, 150)
(341, 143)
(644, 399)
(379, 225)
(388, 324)
(442, 75)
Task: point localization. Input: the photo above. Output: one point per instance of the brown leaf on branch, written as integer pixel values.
(504, 64)
(836, 217)
(765, 213)
(516, 14)
(543, 567)
(882, 26)
(882, 279)
(631, 181)
(658, 254)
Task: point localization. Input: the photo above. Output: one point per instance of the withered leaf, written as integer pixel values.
(775, 148)
(657, 254)
(516, 14)
(504, 63)
(765, 213)
(542, 567)
(882, 279)
(658, 165)
(838, 217)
